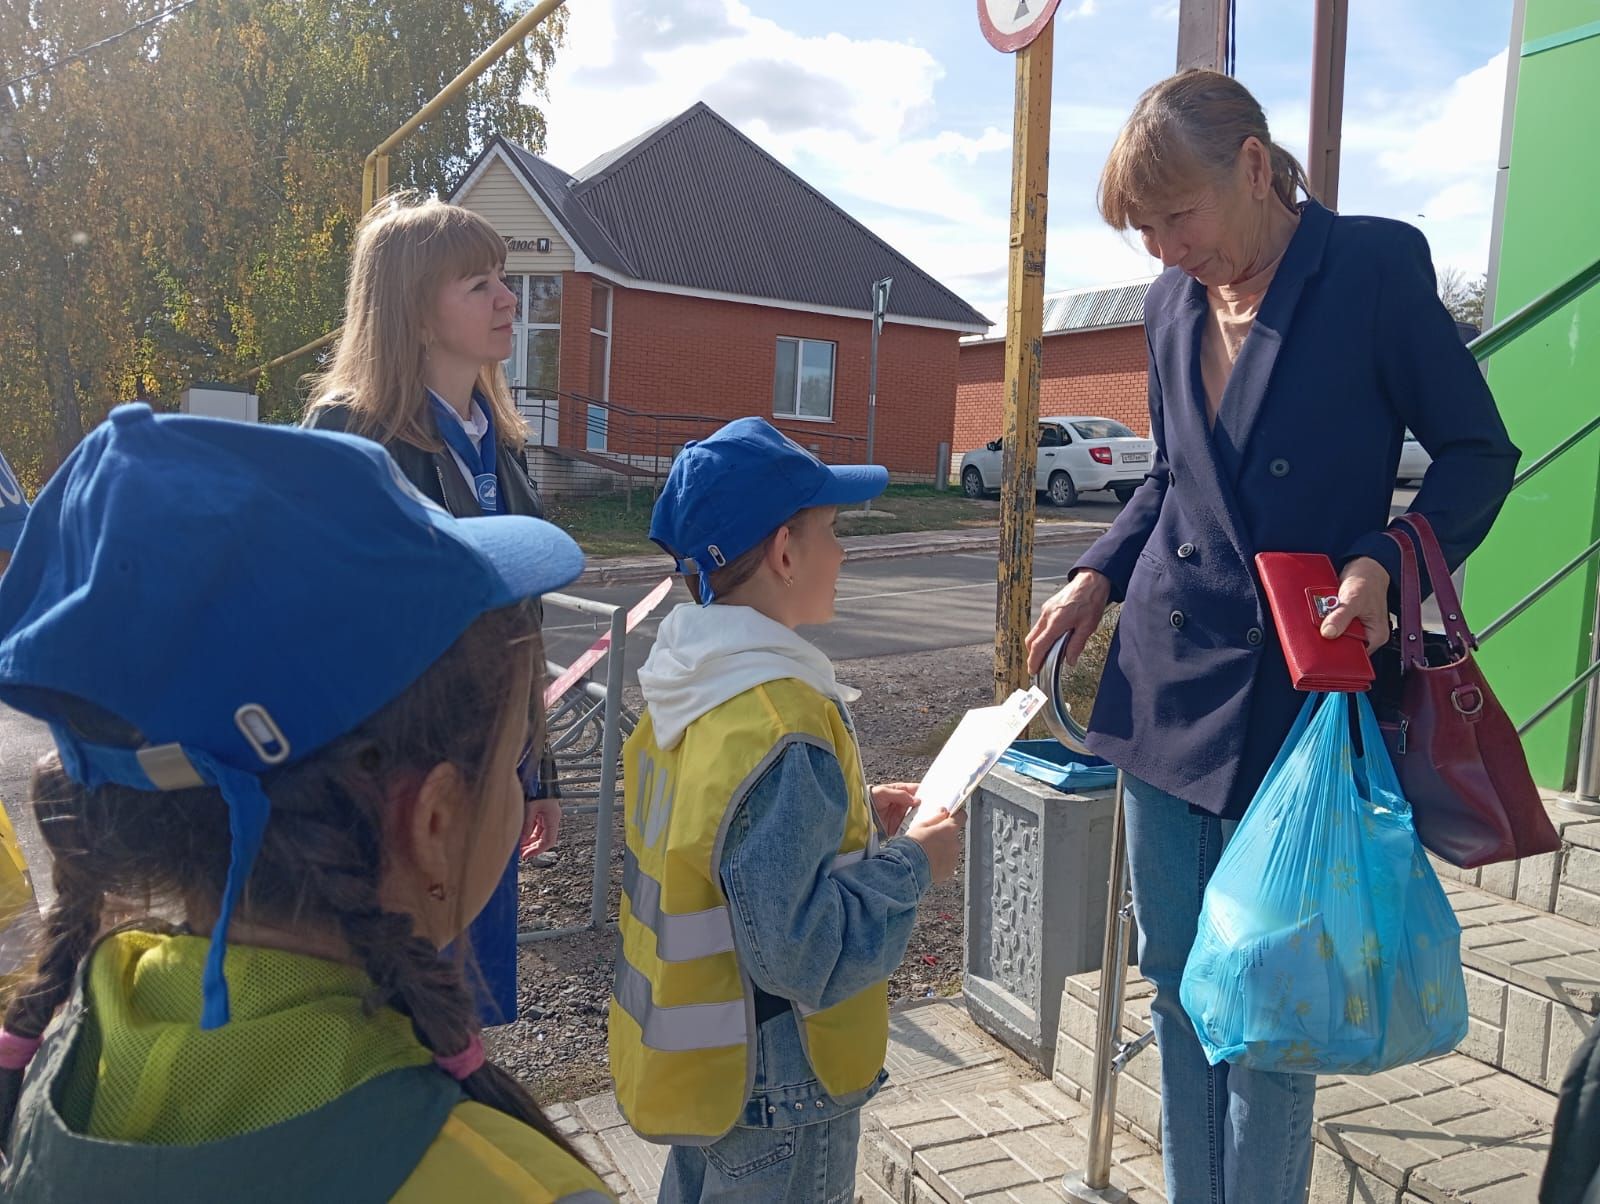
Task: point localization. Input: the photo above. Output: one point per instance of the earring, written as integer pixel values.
(788, 580)
(437, 892)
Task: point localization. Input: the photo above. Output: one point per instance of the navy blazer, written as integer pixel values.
(1350, 347)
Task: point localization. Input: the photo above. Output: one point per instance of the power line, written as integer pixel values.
(85, 51)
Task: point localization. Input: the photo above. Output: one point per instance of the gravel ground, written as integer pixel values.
(908, 705)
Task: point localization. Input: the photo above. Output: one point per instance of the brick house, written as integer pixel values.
(686, 278)
(1094, 363)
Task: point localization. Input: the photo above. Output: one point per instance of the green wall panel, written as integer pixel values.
(1548, 385)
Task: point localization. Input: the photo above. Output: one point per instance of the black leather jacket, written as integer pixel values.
(436, 474)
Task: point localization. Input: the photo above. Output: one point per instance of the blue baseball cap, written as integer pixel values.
(728, 492)
(13, 507)
(242, 595)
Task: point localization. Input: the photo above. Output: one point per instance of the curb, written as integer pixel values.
(635, 570)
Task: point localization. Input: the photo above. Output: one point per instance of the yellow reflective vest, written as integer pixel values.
(682, 1025)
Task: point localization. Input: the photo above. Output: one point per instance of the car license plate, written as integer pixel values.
(1136, 457)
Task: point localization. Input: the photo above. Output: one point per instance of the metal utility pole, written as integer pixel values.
(880, 306)
(1327, 99)
(1203, 35)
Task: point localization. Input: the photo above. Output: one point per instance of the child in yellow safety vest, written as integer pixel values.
(313, 787)
(764, 902)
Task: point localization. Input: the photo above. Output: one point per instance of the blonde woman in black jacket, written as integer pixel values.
(428, 322)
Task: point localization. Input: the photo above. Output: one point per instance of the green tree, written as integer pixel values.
(178, 204)
(1463, 295)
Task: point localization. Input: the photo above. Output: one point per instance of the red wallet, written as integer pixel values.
(1301, 589)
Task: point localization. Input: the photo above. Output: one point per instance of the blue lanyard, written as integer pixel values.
(480, 459)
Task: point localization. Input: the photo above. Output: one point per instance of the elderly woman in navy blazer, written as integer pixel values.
(1290, 348)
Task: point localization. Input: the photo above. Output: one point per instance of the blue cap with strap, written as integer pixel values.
(242, 595)
(729, 491)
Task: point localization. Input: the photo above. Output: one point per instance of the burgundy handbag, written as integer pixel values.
(1457, 755)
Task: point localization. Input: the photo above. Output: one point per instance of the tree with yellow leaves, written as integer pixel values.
(177, 203)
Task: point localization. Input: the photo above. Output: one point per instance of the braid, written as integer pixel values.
(69, 930)
(408, 973)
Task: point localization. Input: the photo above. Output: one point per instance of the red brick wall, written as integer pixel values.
(1098, 372)
(691, 356)
(576, 294)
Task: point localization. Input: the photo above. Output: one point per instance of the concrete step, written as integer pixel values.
(1447, 1130)
(1533, 984)
(1565, 883)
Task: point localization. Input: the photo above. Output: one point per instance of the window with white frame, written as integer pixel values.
(534, 367)
(802, 379)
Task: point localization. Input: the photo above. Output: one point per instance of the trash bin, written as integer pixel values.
(1038, 848)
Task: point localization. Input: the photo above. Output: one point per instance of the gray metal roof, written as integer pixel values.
(1095, 308)
(696, 204)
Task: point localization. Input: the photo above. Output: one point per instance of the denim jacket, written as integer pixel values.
(805, 934)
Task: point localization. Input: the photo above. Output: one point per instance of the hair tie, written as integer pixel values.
(468, 1062)
(16, 1051)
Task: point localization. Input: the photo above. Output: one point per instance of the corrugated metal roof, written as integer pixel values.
(555, 186)
(1095, 308)
(696, 204)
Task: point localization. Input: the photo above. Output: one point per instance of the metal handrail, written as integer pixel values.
(1550, 583)
(1530, 315)
(1556, 452)
(1568, 692)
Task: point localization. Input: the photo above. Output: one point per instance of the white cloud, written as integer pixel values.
(1429, 158)
(855, 118)
(918, 149)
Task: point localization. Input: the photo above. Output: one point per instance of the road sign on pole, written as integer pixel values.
(880, 306)
(1014, 24)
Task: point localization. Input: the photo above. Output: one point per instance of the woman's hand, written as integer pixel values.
(1364, 595)
(1076, 608)
(893, 801)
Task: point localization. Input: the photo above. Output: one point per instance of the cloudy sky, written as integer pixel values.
(900, 112)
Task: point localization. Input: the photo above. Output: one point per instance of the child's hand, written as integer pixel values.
(940, 837)
(893, 801)
(541, 825)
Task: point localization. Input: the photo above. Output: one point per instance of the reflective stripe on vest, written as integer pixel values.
(677, 1029)
(679, 938)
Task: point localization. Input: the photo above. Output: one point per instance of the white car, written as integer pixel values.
(1414, 461)
(1076, 455)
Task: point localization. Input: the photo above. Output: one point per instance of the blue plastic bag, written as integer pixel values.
(1053, 764)
(1326, 944)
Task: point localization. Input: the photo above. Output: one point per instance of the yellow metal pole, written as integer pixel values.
(375, 177)
(1030, 171)
(284, 359)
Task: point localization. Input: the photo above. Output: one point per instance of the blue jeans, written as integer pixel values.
(1228, 1135)
(772, 1156)
(802, 1164)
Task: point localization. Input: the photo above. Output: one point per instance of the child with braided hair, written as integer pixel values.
(307, 791)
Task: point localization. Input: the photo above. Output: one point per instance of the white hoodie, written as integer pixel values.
(705, 655)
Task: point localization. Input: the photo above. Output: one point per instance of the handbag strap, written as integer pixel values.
(1444, 587)
(1412, 653)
